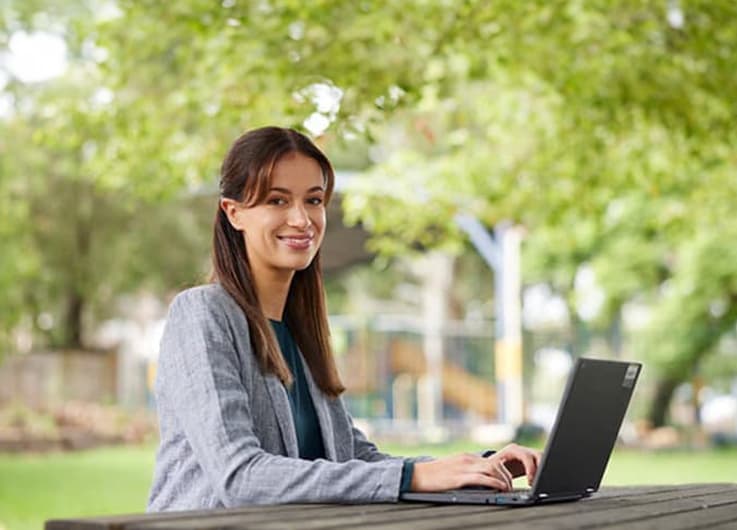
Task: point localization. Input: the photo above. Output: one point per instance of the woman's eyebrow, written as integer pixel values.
(289, 192)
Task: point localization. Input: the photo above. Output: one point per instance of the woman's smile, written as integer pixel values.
(297, 241)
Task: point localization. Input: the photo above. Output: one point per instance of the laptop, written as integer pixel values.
(579, 446)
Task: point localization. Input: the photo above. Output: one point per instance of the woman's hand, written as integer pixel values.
(495, 472)
(519, 460)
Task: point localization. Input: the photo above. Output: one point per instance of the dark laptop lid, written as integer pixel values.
(585, 431)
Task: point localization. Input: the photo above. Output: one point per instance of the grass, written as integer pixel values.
(627, 466)
(34, 488)
(671, 467)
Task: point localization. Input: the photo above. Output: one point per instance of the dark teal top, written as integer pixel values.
(306, 424)
(309, 437)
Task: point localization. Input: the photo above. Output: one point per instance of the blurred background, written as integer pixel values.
(519, 184)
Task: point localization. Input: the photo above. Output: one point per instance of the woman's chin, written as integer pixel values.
(296, 265)
(305, 264)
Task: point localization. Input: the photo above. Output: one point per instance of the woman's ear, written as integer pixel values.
(232, 210)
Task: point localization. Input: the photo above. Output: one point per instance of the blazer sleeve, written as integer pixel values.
(200, 374)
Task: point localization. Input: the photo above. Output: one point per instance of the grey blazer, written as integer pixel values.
(227, 433)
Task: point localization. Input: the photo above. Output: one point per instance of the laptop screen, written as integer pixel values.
(589, 418)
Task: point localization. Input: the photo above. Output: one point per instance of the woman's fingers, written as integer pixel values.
(488, 481)
(493, 474)
(528, 462)
(503, 473)
(536, 455)
(520, 460)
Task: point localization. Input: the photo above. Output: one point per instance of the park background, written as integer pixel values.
(599, 136)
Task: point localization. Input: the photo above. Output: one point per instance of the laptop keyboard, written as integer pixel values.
(482, 489)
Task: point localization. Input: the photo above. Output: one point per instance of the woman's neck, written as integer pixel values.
(273, 290)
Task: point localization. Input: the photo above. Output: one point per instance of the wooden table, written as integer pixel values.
(712, 506)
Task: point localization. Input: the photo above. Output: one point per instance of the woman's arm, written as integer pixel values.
(200, 378)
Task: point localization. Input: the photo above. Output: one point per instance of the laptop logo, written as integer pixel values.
(630, 375)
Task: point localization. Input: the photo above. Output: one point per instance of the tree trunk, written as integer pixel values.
(579, 331)
(664, 389)
(615, 333)
(76, 300)
(705, 341)
(73, 320)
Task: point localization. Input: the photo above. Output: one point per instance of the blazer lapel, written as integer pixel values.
(283, 413)
(323, 415)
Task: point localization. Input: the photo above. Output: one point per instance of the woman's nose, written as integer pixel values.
(298, 216)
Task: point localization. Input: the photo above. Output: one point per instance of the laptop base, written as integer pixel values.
(498, 498)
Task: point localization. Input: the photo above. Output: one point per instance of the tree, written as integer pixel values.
(74, 238)
(75, 235)
(606, 128)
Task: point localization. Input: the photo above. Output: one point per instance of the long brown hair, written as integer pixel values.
(245, 176)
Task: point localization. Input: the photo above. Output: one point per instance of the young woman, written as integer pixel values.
(247, 390)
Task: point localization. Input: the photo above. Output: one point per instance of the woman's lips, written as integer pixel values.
(301, 242)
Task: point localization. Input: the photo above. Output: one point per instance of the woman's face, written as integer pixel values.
(283, 234)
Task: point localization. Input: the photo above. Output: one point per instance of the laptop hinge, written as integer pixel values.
(544, 497)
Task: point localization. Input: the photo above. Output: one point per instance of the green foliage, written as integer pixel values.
(699, 303)
(75, 236)
(602, 127)
(608, 134)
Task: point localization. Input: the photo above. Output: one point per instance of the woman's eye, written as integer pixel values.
(315, 201)
(277, 201)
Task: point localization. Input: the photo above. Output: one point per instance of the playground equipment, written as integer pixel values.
(460, 388)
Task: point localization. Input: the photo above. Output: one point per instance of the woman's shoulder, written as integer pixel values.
(204, 298)
(206, 309)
